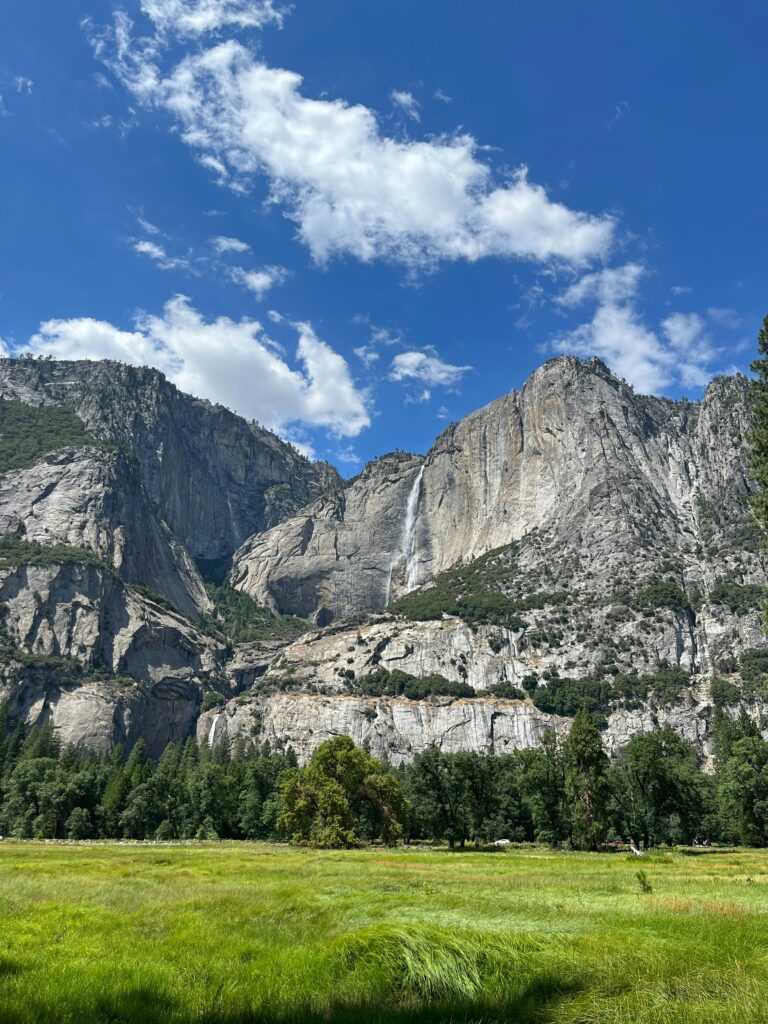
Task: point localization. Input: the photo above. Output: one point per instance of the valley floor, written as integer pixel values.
(233, 932)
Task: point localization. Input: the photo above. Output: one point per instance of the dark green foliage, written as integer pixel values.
(382, 683)
(753, 665)
(192, 791)
(557, 793)
(472, 592)
(506, 691)
(14, 551)
(242, 620)
(724, 693)
(212, 699)
(567, 696)
(655, 788)
(28, 432)
(661, 594)
(586, 782)
(739, 599)
(743, 792)
(341, 797)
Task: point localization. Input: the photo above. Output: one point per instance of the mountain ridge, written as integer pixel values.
(562, 544)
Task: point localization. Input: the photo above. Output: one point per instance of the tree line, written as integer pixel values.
(566, 792)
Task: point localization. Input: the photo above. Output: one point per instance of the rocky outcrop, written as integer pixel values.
(101, 714)
(347, 552)
(396, 729)
(92, 498)
(214, 478)
(104, 663)
(595, 483)
(88, 615)
(393, 729)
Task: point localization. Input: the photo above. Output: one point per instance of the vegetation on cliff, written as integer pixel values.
(27, 433)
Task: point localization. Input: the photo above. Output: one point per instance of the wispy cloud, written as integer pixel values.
(222, 244)
(260, 281)
(619, 112)
(407, 103)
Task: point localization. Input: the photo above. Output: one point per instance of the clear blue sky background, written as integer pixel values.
(650, 118)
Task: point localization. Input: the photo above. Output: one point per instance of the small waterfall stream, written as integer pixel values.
(409, 546)
(212, 732)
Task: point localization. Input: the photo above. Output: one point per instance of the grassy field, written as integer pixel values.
(228, 933)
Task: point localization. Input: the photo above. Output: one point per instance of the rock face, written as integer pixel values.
(394, 729)
(348, 552)
(93, 499)
(214, 478)
(594, 482)
(618, 525)
(107, 664)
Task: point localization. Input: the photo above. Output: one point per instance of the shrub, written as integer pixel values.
(382, 683)
(739, 599)
(212, 699)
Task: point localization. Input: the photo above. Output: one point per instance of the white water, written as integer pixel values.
(212, 731)
(409, 546)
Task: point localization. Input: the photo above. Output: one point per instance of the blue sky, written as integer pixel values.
(356, 222)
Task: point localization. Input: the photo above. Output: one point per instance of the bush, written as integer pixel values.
(382, 683)
(739, 599)
(723, 693)
(661, 594)
(243, 620)
(753, 664)
(212, 699)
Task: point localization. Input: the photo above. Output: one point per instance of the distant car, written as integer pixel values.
(502, 842)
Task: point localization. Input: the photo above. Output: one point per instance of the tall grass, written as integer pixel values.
(235, 933)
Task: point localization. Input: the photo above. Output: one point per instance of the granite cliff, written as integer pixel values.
(572, 541)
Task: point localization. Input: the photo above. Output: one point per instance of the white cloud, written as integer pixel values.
(407, 102)
(440, 95)
(419, 398)
(348, 455)
(260, 281)
(616, 333)
(619, 111)
(23, 85)
(155, 252)
(690, 342)
(228, 362)
(196, 17)
(4, 111)
(367, 354)
(681, 289)
(610, 287)
(724, 317)
(146, 226)
(350, 189)
(223, 244)
(426, 367)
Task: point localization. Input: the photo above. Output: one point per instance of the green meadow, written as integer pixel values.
(233, 932)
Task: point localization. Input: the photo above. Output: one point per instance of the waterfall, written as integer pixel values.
(409, 546)
(212, 731)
